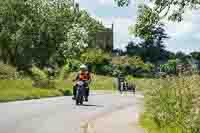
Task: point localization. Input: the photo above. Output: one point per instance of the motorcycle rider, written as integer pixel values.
(83, 75)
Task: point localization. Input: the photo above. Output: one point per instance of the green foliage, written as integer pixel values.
(64, 86)
(41, 79)
(43, 32)
(143, 29)
(105, 69)
(131, 65)
(76, 40)
(7, 72)
(38, 74)
(64, 71)
(73, 64)
(118, 60)
(12, 90)
(102, 83)
(95, 56)
(149, 28)
(122, 3)
(91, 25)
(169, 67)
(172, 105)
(166, 9)
(195, 55)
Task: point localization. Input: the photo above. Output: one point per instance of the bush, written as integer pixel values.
(169, 67)
(38, 74)
(103, 69)
(95, 56)
(64, 71)
(116, 71)
(172, 105)
(73, 65)
(7, 72)
(132, 65)
(45, 84)
(41, 80)
(65, 92)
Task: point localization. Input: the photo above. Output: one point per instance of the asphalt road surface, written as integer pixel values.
(59, 115)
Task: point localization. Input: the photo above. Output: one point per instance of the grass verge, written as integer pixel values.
(172, 105)
(12, 90)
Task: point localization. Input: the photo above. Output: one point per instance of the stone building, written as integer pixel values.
(104, 39)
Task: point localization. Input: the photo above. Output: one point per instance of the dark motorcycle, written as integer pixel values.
(80, 94)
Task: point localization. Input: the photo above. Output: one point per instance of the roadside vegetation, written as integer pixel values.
(172, 105)
(21, 86)
(42, 45)
(12, 90)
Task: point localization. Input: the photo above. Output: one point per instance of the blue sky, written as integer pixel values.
(184, 36)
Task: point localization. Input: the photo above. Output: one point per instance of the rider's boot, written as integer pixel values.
(74, 92)
(73, 98)
(86, 99)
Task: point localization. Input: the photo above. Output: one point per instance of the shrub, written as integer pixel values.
(73, 65)
(45, 84)
(95, 56)
(38, 74)
(103, 69)
(116, 71)
(64, 71)
(7, 72)
(41, 79)
(169, 67)
(132, 65)
(172, 105)
(65, 92)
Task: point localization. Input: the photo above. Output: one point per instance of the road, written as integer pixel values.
(60, 115)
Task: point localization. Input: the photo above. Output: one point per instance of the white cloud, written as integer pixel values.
(106, 2)
(177, 29)
(185, 36)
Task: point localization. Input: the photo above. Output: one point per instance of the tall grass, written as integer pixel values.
(172, 105)
(12, 90)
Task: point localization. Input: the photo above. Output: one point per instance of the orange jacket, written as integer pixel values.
(85, 76)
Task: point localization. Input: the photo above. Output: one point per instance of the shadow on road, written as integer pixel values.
(92, 105)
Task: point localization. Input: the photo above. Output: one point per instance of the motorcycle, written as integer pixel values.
(80, 94)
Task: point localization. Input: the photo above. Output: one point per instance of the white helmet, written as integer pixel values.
(83, 66)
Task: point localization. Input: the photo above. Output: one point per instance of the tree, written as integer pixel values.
(133, 49)
(173, 9)
(183, 58)
(76, 41)
(91, 25)
(122, 3)
(152, 34)
(195, 55)
(43, 32)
